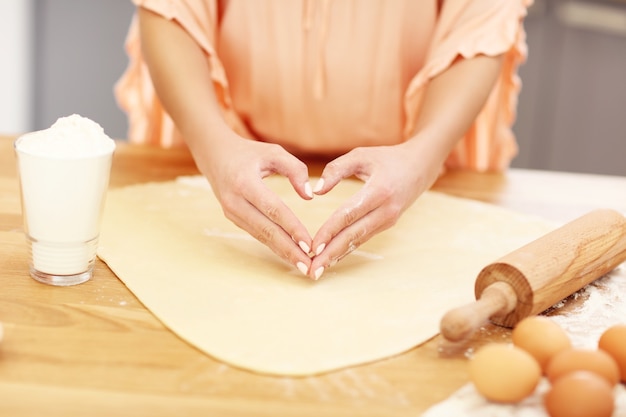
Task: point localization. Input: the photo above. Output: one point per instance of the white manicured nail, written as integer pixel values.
(320, 248)
(318, 272)
(305, 248)
(319, 185)
(302, 268)
(307, 189)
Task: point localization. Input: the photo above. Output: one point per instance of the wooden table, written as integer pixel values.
(93, 349)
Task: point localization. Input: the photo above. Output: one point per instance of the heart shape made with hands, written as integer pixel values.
(324, 206)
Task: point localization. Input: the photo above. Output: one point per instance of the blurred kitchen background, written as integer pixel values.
(63, 56)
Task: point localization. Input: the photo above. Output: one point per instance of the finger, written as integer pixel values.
(296, 171)
(367, 199)
(270, 234)
(270, 206)
(349, 240)
(345, 166)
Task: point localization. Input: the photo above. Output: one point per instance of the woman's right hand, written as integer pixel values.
(236, 167)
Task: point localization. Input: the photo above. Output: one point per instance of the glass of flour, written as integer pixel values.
(63, 174)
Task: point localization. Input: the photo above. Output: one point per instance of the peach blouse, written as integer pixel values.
(325, 76)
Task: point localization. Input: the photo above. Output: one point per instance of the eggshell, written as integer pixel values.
(580, 394)
(504, 373)
(541, 337)
(613, 341)
(596, 361)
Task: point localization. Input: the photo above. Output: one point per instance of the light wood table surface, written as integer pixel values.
(94, 350)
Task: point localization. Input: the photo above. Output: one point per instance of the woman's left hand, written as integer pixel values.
(394, 177)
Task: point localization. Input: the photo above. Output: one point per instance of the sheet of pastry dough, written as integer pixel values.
(231, 297)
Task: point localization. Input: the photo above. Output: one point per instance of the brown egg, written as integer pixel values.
(504, 373)
(541, 337)
(596, 361)
(613, 342)
(580, 394)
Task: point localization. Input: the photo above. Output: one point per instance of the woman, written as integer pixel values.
(390, 91)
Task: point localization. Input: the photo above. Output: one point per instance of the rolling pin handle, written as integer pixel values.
(497, 299)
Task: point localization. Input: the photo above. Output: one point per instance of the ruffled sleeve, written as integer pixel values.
(134, 92)
(467, 28)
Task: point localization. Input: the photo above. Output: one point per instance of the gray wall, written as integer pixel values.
(572, 110)
(79, 55)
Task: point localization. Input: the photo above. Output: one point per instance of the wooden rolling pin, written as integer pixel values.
(537, 276)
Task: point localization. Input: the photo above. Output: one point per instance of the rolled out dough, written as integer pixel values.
(231, 297)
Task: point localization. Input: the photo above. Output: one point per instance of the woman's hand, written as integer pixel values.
(234, 166)
(395, 176)
(393, 180)
(236, 170)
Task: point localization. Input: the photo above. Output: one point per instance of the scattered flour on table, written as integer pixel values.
(604, 305)
(584, 316)
(467, 402)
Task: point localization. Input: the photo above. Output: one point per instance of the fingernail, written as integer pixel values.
(307, 189)
(320, 248)
(318, 272)
(302, 268)
(319, 185)
(305, 248)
